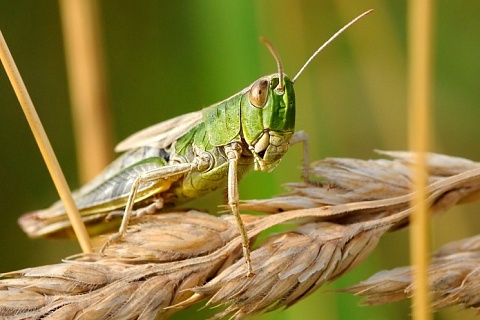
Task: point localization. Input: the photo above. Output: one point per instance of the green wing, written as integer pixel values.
(163, 134)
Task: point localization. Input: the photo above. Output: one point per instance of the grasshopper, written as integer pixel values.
(187, 157)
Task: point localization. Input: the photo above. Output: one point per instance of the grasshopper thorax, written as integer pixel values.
(268, 119)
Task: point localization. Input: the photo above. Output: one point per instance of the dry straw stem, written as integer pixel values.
(454, 279)
(170, 261)
(44, 144)
(420, 40)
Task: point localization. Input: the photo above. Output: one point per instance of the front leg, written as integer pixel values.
(302, 137)
(233, 152)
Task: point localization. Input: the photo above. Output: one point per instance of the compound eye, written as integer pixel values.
(259, 93)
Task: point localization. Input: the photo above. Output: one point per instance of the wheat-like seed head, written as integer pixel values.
(454, 279)
(168, 262)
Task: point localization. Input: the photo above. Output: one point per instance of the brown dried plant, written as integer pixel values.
(454, 279)
(170, 261)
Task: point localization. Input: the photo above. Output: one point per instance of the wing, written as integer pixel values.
(109, 190)
(96, 200)
(162, 134)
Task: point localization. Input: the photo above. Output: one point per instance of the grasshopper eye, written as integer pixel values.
(259, 93)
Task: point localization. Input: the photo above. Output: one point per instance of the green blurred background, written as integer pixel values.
(168, 58)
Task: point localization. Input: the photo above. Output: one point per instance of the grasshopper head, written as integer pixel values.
(268, 119)
(268, 114)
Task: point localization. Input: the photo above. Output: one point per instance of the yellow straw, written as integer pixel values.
(419, 86)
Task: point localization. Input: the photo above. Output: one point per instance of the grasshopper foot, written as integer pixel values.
(248, 262)
(113, 238)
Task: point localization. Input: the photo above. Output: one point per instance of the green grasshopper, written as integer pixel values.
(187, 157)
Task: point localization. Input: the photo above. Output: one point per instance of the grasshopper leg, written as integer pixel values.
(233, 152)
(150, 209)
(302, 137)
(163, 172)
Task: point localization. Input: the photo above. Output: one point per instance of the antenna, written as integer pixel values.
(280, 87)
(328, 42)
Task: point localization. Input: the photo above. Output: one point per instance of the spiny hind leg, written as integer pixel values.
(154, 175)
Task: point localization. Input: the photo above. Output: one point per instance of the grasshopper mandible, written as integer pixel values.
(189, 156)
